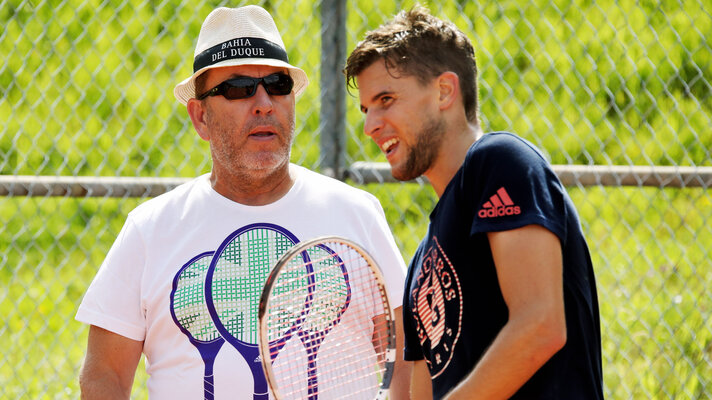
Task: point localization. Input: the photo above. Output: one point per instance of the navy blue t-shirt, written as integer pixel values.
(453, 307)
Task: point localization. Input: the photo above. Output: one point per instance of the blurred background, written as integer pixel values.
(616, 94)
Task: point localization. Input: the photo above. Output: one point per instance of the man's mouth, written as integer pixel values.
(263, 132)
(388, 146)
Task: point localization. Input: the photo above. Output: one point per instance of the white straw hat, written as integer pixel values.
(238, 36)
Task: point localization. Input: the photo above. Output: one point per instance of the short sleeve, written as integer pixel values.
(515, 187)
(113, 300)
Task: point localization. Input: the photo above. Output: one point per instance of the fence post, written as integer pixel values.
(333, 91)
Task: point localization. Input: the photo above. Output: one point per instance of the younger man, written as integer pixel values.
(500, 298)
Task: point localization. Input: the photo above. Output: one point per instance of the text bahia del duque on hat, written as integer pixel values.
(238, 36)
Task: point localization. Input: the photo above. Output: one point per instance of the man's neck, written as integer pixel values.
(253, 189)
(451, 156)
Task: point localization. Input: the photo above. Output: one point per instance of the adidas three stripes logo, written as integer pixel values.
(499, 204)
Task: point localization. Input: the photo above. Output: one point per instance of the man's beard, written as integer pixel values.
(422, 154)
(249, 164)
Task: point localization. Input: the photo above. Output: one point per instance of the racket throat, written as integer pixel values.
(312, 381)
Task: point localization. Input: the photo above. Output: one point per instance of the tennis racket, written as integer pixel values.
(233, 285)
(190, 313)
(332, 292)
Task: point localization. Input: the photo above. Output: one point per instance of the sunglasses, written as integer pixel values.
(242, 87)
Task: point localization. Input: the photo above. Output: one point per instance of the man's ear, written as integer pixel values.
(449, 86)
(197, 112)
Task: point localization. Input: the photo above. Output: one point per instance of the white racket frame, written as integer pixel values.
(389, 354)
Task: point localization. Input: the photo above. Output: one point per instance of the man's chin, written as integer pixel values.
(403, 175)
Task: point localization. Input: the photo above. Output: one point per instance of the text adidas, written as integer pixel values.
(499, 211)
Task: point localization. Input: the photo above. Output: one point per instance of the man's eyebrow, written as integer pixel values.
(382, 93)
(376, 97)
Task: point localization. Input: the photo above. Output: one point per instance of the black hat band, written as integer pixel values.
(239, 48)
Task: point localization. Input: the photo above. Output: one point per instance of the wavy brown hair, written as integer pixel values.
(415, 43)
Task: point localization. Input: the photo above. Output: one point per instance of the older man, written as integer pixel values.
(153, 293)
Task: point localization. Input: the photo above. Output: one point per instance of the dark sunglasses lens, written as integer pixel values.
(278, 84)
(244, 87)
(239, 88)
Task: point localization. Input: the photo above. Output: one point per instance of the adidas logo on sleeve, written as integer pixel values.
(499, 204)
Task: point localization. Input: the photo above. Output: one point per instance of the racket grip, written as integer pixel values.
(312, 381)
(209, 387)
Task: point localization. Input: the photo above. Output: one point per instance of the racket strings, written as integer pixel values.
(292, 287)
(239, 274)
(337, 375)
(343, 387)
(330, 295)
(189, 304)
(317, 308)
(348, 360)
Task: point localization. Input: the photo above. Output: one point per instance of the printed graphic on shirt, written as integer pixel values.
(190, 313)
(499, 204)
(437, 308)
(216, 296)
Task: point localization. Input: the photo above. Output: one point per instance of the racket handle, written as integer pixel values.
(208, 351)
(312, 381)
(209, 387)
(261, 396)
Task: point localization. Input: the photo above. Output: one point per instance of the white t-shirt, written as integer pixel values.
(133, 291)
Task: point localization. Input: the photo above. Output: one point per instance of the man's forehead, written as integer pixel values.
(374, 81)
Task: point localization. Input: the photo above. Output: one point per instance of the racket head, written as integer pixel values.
(188, 306)
(329, 293)
(235, 278)
(363, 337)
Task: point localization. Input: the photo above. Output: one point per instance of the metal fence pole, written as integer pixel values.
(333, 92)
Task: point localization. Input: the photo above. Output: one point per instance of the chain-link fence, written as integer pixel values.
(617, 94)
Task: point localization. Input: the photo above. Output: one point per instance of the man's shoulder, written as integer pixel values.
(504, 152)
(504, 142)
(169, 202)
(322, 191)
(500, 140)
(315, 181)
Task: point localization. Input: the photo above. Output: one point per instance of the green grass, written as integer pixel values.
(87, 90)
